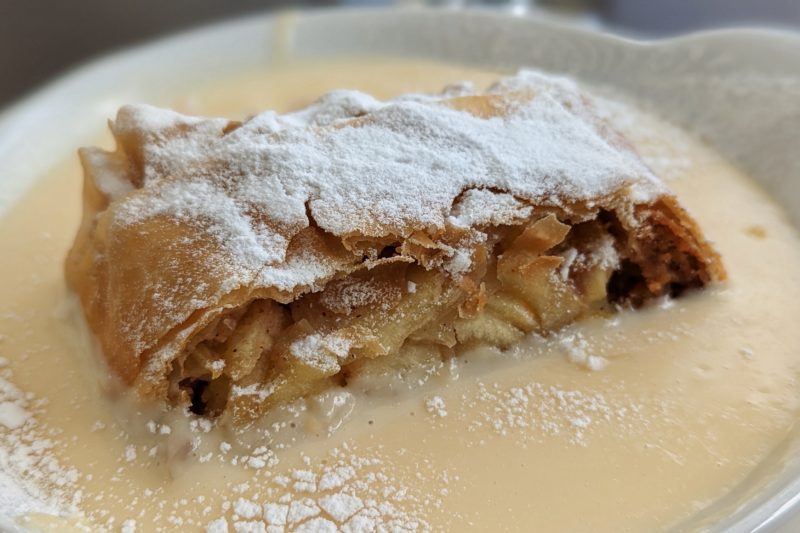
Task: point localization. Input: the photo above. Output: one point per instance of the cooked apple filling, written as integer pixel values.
(535, 277)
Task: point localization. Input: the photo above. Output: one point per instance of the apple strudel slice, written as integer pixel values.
(230, 267)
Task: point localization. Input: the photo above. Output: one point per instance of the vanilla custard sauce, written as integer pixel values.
(684, 401)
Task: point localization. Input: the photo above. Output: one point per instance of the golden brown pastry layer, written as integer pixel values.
(231, 267)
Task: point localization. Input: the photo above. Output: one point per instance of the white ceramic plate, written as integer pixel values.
(739, 89)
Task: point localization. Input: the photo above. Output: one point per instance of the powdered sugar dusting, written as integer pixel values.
(397, 169)
(31, 477)
(579, 352)
(349, 492)
(535, 410)
(343, 296)
(436, 406)
(320, 351)
(479, 207)
(12, 415)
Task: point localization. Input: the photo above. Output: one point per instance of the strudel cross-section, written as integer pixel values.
(229, 267)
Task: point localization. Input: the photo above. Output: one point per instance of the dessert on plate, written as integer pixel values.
(230, 267)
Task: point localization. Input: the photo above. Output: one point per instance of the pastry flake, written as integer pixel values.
(231, 267)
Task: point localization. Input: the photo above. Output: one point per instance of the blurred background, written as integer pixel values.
(41, 38)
